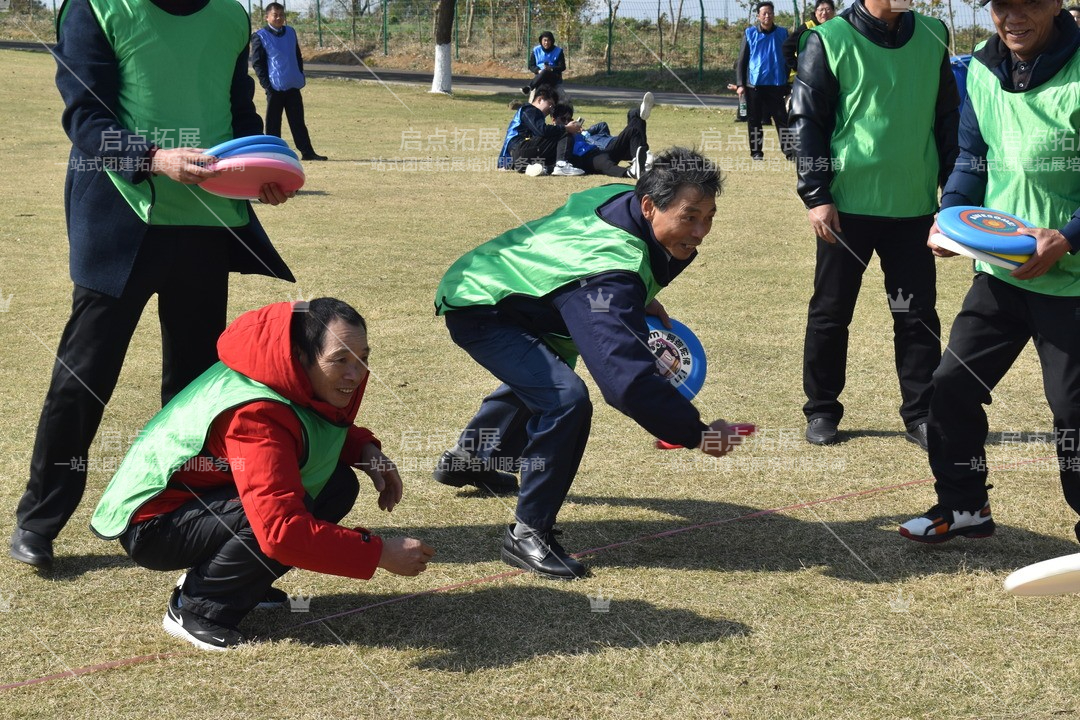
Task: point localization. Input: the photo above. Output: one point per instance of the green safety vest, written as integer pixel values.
(886, 157)
(1032, 161)
(571, 244)
(175, 88)
(178, 433)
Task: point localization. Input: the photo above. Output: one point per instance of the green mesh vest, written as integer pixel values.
(883, 145)
(573, 243)
(178, 433)
(1033, 161)
(175, 90)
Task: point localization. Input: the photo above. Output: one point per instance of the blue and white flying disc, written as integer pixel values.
(241, 142)
(679, 356)
(990, 231)
(256, 148)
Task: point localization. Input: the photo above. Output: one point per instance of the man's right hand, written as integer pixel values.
(405, 556)
(824, 218)
(184, 165)
(938, 251)
(719, 439)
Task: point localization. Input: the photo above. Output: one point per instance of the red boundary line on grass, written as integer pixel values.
(87, 669)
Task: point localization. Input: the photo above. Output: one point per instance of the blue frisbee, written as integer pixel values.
(679, 356)
(262, 148)
(241, 142)
(990, 231)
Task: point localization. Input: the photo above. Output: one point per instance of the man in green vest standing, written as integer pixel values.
(138, 224)
(874, 111)
(580, 281)
(1019, 153)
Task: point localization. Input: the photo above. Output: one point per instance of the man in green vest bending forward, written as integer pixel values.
(874, 110)
(1019, 153)
(580, 281)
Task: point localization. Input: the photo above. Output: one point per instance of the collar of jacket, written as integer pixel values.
(876, 30)
(996, 56)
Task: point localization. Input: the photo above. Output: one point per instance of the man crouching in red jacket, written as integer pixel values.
(248, 470)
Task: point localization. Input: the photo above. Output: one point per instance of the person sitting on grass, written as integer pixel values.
(596, 151)
(532, 145)
(547, 62)
(248, 470)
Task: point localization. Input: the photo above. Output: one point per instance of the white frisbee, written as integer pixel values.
(943, 241)
(1058, 576)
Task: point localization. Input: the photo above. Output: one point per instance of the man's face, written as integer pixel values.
(1025, 26)
(685, 222)
(547, 43)
(823, 13)
(341, 366)
(765, 17)
(543, 105)
(275, 18)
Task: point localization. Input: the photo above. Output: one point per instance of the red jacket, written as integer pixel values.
(268, 438)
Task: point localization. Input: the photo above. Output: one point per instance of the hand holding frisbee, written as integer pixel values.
(679, 355)
(1057, 576)
(986, 235)
(246, 166)
(740, 429)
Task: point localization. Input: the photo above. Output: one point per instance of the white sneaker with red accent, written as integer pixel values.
(940, 524)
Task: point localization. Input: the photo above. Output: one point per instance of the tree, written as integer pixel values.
(444, 31)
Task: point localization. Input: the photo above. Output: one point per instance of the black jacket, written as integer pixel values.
(815, 95)
(104, 233)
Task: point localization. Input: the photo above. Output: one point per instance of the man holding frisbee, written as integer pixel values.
(1018, 154)
(578, 282)
(137, 223)
(874, 111)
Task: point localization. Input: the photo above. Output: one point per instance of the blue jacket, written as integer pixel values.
(276, 59)
(104, 233)
(761, 58)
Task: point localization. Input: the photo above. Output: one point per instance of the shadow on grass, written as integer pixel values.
(732, 540)
(73, 567)
(501, 626)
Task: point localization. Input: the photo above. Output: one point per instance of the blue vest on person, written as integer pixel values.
(541, 58)
(767, 65)
(281, 62)
(595, 139)
(511, 132)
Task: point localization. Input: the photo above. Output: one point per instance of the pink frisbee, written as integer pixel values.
(242, 177)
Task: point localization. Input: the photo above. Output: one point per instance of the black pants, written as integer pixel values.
(768, 101)
(187, 268)
(547, 77)
(994, 324)
(293, 104)
(210, 537)
(910, 275)
(621, 149)
(540, 150)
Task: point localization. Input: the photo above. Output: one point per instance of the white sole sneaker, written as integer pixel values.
(177, 631)
(567, 171)
(647, 102)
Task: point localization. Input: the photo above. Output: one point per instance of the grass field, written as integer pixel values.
(786, 593)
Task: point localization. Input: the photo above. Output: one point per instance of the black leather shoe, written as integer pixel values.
(541, 553)
(31, 548)
(917, 435)
(822, 431)
(313, 156)
(457, 471)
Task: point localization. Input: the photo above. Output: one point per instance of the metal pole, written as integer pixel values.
(701, 44)
(318, 21)
(528, 25)
(457, 45)
(385, 27)
(610, 24)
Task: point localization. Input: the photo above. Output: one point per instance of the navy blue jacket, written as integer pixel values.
(104, 233)
(614, 345)
(967, 183)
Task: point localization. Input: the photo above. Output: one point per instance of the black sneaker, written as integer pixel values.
(199, 631)
(822, 431)
(457, 471)
(525, 89)
(939, 524)
(917, 435)
(541, 553)
(312, 156)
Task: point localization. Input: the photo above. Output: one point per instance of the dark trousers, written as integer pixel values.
(910, 274)
(540, 150)
(547, 77)
(768, 101)
(992, 328)
(211, 537)
(540, 416)
(293, 104)
(188, 271)
(621, 149)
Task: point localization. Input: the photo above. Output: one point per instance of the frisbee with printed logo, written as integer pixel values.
(680, 356)
(242, 178)
(1057, 576)
(256, 149)
(1010, 262)
(990, 231)
(229, 146)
